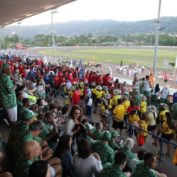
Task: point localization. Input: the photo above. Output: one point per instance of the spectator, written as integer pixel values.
(119, 112)
(85, 163)
(63, 151)
(146, 169)
(103, 149)
(41, 169)
(7, 93)
(115, 169)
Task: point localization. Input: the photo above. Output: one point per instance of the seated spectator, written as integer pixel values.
(86, 164)
(128, 146)
(97, 133)
(112, 143)
(145, 169)
(115, 169)
(63, 151)
(41, 169)
(31, 153)
(103, 149)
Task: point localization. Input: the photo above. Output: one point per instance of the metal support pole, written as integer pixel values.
(160, 155)
(2, 37)
(53, 38)
(19, 38)
(156, 39)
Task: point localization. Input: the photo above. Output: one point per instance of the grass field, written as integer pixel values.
(142, 56)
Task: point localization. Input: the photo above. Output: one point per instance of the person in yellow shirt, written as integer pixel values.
(143, 105)
(143, 125)
(134, 120)
(167, 131)
(161, 119)
(126, 103)
(116, 96)
(119, 113)
(98, 96)
(162, 113)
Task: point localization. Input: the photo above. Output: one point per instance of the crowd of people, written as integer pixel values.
(49, 137)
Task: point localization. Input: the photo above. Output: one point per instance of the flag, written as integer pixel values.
(151, 78)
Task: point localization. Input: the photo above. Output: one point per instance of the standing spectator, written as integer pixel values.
(89, 103)
(167, 131)
(164, 94)
(73, 120)
(157, 88)
(119, 112)
(7, 93)
(76, 96)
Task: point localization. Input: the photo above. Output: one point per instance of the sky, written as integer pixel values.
(120, 10)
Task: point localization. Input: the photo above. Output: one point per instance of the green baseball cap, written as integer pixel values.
(106, 136)
(114, 134)
(28, 114)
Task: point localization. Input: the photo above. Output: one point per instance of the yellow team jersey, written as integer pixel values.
(126, 104)
(102, 107)
(166, 129)
(99, 94)
(115, 98)
(143, 107)
(119, 112)
(94, 91)
(162, 116)
(143, 125)
(134, 118)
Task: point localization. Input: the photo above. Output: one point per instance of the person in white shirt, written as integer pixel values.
(86, 164)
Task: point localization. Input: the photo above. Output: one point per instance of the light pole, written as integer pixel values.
(19, 38)
(157, 23)
(53, 37)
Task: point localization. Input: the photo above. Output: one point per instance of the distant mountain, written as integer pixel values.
(96, 28)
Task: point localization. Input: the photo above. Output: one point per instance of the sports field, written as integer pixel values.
(114, 55)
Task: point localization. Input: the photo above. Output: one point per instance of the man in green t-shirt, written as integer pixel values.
(146, 169)
(7, 93)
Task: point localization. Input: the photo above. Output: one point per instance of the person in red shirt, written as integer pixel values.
(76, 96)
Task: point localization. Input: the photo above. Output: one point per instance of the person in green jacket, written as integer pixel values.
(115, 169)
(102, 147)
(7, 93)
(33, 133)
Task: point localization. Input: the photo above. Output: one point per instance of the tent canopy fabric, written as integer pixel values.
(16, 10)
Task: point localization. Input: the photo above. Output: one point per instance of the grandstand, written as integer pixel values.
(62, 120)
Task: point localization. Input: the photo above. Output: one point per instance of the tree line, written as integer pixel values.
(43, 40)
